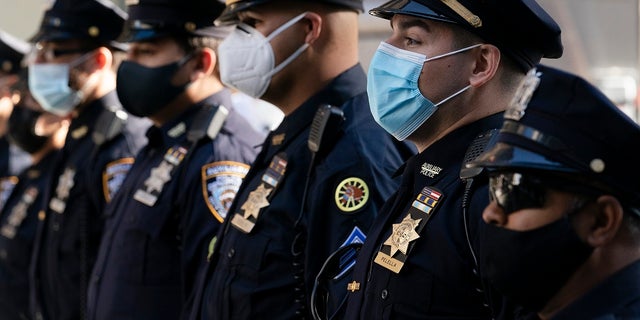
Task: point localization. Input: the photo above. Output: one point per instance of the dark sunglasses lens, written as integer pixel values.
(513, 192)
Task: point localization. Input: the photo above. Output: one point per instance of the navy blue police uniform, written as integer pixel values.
(253, 269)
(570, 133)
(18, 221)
(420, 240)
(179, 189)
(99, 149)
(85, 178)
(12, 159)
(155, 240)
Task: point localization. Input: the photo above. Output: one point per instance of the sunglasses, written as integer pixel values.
(514, 191)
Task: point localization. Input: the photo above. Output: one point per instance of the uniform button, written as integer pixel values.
(3, 254)
(56, 226)
(475, 271)
(384, 294)
(231, 253)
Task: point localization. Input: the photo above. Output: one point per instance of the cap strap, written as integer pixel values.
(462, 11)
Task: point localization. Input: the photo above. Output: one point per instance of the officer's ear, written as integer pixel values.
(205, 63)
(313, 27)
(487, 60)
(103, 58)
(606, 220)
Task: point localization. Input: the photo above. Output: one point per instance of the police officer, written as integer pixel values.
(441, 80)
(318, 182)
(183, 181)
(41, 136)
(563, 224)
(12, 159)
(72, 75)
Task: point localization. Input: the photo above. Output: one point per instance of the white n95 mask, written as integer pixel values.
(247, 60)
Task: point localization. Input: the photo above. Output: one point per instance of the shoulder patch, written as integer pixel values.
(351, 194)
(6, 187)
(220, 183)
(113, 176)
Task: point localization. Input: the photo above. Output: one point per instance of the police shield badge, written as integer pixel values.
(220, 183)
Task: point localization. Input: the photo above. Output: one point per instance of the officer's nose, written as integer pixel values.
(494, 214)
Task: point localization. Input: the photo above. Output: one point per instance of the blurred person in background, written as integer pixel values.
(41, 135)
(72, 75)
(12, 159)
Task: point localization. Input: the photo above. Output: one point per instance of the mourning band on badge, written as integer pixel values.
(66, 181)
(259, 198)
(19, 213)
(396, 248)
(113, 176)
(6, 187)
(351, 194)
(220, 183)
(160, 175)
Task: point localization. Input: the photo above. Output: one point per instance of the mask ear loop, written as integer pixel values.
(294, 54)
(90, 79)
(450, 54)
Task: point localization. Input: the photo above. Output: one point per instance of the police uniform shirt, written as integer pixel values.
(436, 279)
(615, 298)
(254, 275)
(4, 156)
(18, 222)
(7, 181)
(84, 178)
(169, 208)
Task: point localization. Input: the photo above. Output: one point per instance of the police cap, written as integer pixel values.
(150, 19)
(100, 21)
(229, 16)
(569, 128)
(12, 51)
(520, 28)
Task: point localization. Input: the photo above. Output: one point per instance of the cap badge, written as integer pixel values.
(523, 95)
(597, 165)
(190, 26)
(94, 31)
(6, 66)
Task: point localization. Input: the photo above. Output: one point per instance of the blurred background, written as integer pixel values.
(601, 39)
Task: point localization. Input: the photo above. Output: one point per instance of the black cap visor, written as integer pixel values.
(230, 14)
(408, 7)
(507, 156)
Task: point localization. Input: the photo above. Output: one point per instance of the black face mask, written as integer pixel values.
(531, 266)
(21, 129)
(144, 91)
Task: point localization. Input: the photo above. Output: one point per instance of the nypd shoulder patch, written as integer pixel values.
(220, 183)
(113, 176)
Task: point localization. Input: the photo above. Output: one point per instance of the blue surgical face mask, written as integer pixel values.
(49, 85)
(392, 86)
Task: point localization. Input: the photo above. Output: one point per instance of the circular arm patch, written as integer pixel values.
(351, 194)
